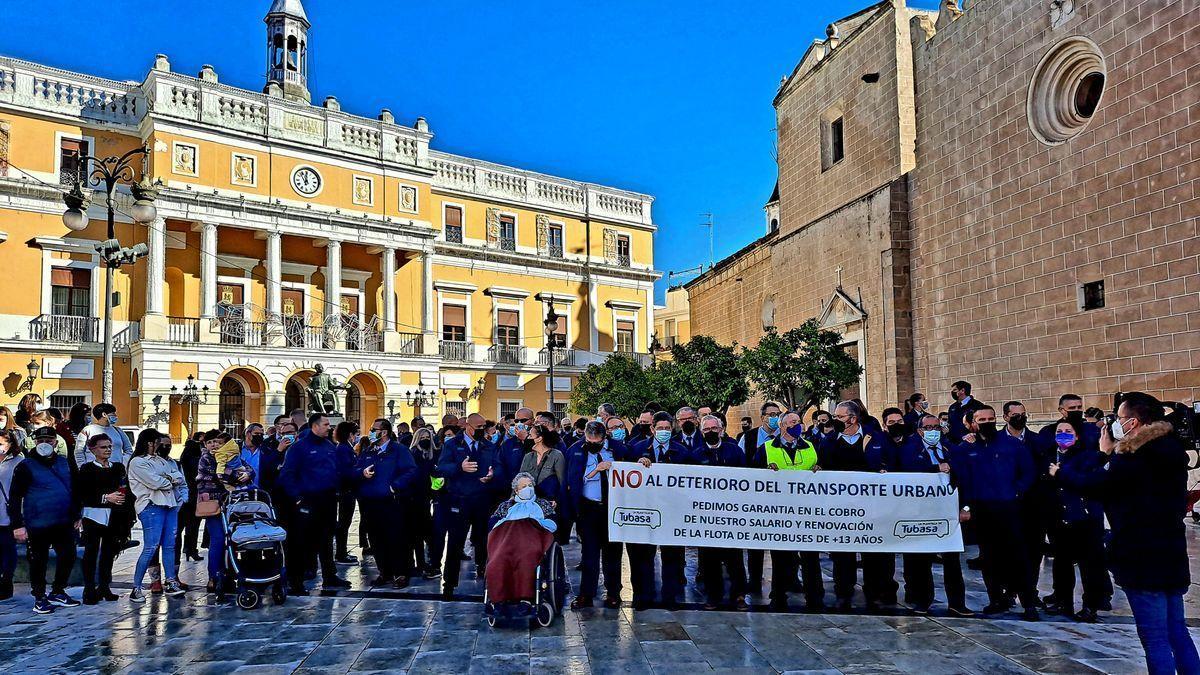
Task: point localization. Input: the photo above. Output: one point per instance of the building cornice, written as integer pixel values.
(582, 269)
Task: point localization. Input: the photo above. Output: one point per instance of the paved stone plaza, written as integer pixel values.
(397, 631)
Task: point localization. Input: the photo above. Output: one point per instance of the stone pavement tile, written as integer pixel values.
(555, 645)
(155, 665)
(372, 659)
(404, 620)
(110, 664)
(501, 664)
(457, 661)
(639, 667)
(503, 641)
(1117, 666)
(795, 656)
(265, 669)
(715, 633)
(826, 671)
(398, 637)
(333, 656)
(306, 632)
(350, 635)
(1054, 664)
(281, 653)
(240, 647)
(212, 667)
(682, 668)
(545, 665)
(732, 655)
(660, 631)
(662, 652)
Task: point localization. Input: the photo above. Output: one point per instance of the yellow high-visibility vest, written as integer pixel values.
(806, 456)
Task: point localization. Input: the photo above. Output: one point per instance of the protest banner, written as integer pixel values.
(682, 505)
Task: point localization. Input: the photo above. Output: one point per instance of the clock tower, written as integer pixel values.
(287, 50)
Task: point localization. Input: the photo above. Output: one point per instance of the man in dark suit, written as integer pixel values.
(963, 404)
(660, 448)
(469, 465)
(751, 443)
(718, 450)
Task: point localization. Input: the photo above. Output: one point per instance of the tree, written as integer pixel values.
(704, 372)
(619, 380)
(800, 368)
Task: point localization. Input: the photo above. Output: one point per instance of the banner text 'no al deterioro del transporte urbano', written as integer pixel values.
(683, 505)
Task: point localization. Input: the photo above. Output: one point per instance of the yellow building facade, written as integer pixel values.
(290, 235)
(673, 321)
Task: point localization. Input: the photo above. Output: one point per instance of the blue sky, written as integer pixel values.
(672, 98)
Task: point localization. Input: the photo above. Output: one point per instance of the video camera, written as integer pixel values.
(1184, 419)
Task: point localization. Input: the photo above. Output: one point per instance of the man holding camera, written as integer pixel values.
(1141, 477)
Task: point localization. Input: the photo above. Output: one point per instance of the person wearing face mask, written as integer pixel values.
(822, 428)
(155, 483)
(45, 513)
(512, 448)
(587, 468)
(642, 428)
(883, 451)
(1038, 502)
(925, 452)
(1070, 409)
(427, 488)
(994, 472)
(42, 419)
(347, 438)
(313, 471)
(1141, 479)
(104, 421)
(789, 451)
(660, 449)
(848, 451)
(963, 404)
(719, 450)
(547, 464)
(751, 442)
(915, 407)
(468, 462)
(618, 434)
(101, 487)
(10, 457)
(689, 432)
(1077, 524)
(386, 476)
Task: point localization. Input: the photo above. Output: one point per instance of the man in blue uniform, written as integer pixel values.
(718, 450)
(964, 403)
(468, 463)
(588, 462)
(995, 471)
(658, 449)
(310, 477)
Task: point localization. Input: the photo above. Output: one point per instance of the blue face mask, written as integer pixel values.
(662, 435)
(1064, 439)
(496, 437)
(773, 422)
(796, 430)
(932, 436)
(373, 436)
(618, 434)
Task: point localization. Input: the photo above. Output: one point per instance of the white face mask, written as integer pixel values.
(45, 449)
(525, 494)
(1118, 430)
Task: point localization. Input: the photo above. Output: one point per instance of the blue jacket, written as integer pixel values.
(1040, 498)
(728, 453)
(1070, 505)
(1144, 490)
(998, 471)
(467, 486)
(41, 494)
(883, 452)
(396, 473)
(956, 411)
(577, 466)
(347, 459)
(676, 453)
(835, 454)
(510, 454)
(311, 468)
(913, 458)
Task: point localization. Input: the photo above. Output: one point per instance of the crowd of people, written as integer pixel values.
(423, 492)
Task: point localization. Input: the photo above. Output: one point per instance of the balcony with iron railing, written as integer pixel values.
(563, 357)
(623, 260)
(554, 250)
(507, 354)
(507, 243)
(457, 350)
(454, 234)
(62, 328)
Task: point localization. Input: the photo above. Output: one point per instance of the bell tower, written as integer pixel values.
(287, 51)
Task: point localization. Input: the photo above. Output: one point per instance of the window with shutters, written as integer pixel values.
(456, 408)
(452, 224)
(508, 327)
(64, 402)
(70, 291)
(508, 233)
(71, 152)
(454, 323)
(560, 409)
(625, 337)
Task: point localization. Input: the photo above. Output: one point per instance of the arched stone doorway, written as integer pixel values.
(239, 400)
(364, 398)
(295, 392)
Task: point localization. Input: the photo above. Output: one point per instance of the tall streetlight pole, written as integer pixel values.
(110, 171)
(551, 339)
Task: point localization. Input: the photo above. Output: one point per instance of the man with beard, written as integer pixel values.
(995, 471)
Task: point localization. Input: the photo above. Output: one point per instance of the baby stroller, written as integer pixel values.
(254, 546)
(511, 591)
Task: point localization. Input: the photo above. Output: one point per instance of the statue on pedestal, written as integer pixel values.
(322, 390)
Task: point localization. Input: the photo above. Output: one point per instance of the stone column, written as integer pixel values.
(275, 336)
(208, 283)
(333, 286)
(428, 332)
(389, 289)
(154, 322)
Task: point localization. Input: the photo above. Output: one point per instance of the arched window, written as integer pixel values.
(294, 396)
(293, 49)
(232, 407)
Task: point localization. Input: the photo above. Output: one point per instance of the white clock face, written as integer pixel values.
(306, 181)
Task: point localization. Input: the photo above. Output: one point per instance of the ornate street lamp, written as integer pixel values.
(110, 171)
(34, 368)
(551, 338)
